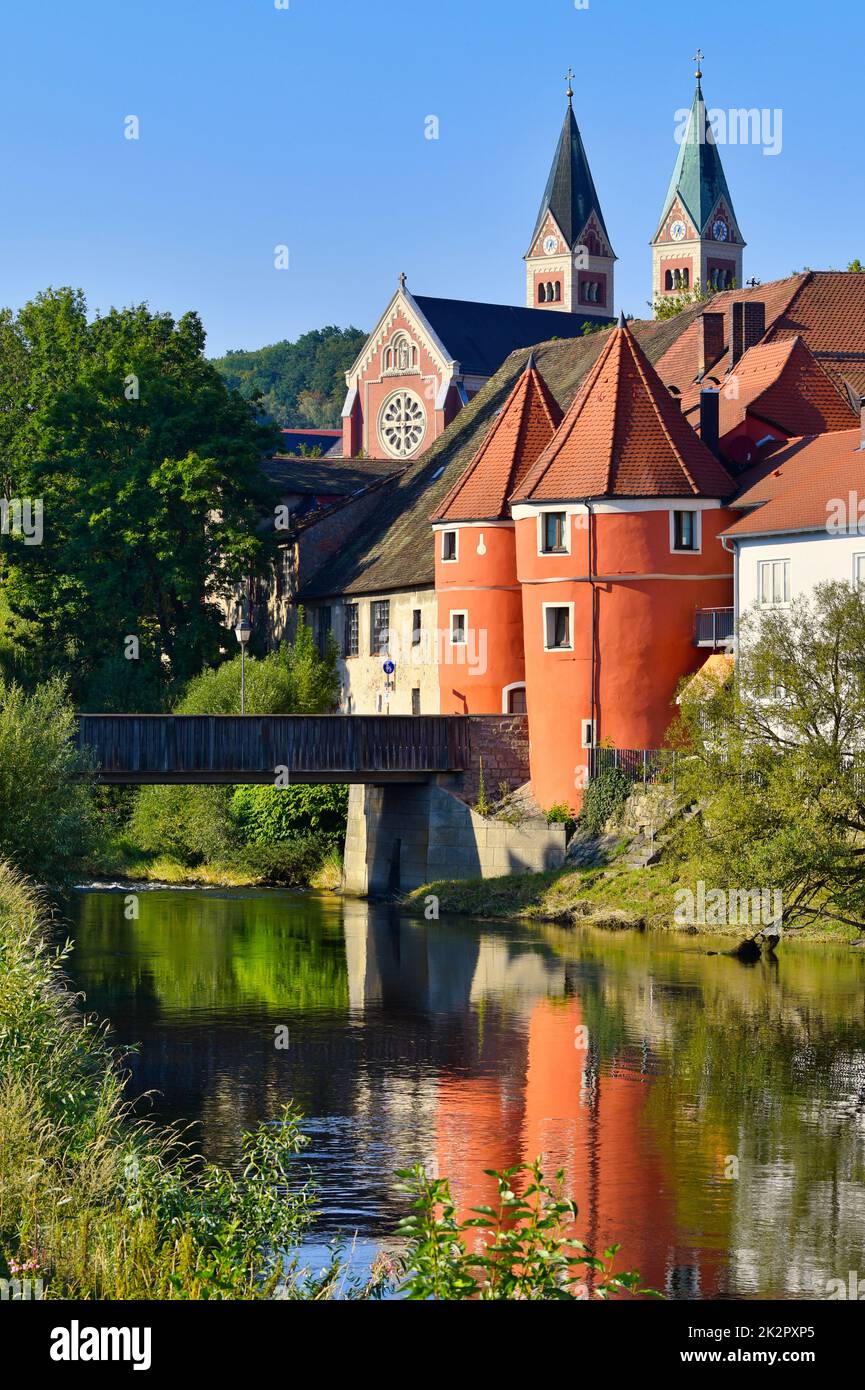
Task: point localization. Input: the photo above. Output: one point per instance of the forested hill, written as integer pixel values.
(302, 383)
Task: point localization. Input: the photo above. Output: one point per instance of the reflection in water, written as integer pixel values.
(649, 1071)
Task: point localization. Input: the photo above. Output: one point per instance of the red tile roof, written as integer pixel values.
(783, 383)
(794, 490)
(828, 310)
(624, 436)
(519, 434)
(825, 307)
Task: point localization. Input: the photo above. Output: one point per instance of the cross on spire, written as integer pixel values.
(569, 77)
(698, 59)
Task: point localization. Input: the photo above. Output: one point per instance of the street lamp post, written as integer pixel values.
(243, 632)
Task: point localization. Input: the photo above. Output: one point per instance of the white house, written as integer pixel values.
(803, 521)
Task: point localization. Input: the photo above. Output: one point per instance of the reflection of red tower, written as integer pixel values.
(592, 1124)
(479, 597)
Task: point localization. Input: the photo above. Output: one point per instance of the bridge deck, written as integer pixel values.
(233, 749)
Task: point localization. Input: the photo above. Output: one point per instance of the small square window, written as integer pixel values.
(449, 545)
(458, 629)
(557, 627)
(554, 533)
(685, 533)
(416, 627)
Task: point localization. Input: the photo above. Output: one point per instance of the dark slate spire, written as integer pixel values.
(698, 178)
(570, 194)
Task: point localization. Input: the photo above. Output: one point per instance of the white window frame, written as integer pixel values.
(587, 733)
(514, 685)
(450, 559)
(459, 613)
(859, 564)
(570, 607)
(761, 566)
(698, 532)
(554, 511)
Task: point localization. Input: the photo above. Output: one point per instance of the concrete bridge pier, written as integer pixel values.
(401, 836)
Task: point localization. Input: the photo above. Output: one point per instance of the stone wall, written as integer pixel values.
(402, 836)
(502, 741)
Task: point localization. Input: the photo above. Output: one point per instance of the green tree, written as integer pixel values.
(294, 679)
(775, 759)
(300, 383)
(856, 266)
(669, 305)
(49, 822)
(147, 467)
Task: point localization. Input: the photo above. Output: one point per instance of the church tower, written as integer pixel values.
(698, 239)
(570, 261)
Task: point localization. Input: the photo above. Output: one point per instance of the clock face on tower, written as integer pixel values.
(678, 230)
(551, 245)
(719, 229)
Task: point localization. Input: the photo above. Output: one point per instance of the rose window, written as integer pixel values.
(402, 423)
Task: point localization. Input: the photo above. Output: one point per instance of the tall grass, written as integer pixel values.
(96, 1204)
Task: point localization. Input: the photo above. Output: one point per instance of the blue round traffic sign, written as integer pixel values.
(388, 668)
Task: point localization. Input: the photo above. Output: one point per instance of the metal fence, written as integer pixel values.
(639, 765)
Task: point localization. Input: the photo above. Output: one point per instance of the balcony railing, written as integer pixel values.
(714, 627)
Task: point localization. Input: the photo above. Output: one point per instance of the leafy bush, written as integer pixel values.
(560, 814)
(48, 811)
(191, 824)
(292, 863)
(522, 1251)
(604, 797)
(268, 815)
(295, 679)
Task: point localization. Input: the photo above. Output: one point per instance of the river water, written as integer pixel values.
(708, 1115)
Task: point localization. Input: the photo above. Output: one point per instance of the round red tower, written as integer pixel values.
(617, 530)
(480, 607)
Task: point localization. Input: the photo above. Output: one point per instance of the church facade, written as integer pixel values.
(427, 357)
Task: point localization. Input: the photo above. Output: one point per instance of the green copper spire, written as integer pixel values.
(570, 194)
(698, 179)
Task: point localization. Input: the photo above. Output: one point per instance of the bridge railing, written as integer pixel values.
(229, 747)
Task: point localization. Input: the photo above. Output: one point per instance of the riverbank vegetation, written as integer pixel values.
(56, 823)
(97, 1205)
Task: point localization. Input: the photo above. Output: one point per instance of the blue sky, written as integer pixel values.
(305, 127)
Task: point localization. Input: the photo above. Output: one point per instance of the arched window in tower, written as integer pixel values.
(558, 291)
(542, 293)
(677, 279)
(686, 278)
(388, 359)
(668, 280)
(550, 292)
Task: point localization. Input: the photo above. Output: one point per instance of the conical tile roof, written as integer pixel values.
(519, 434)
(623, 436)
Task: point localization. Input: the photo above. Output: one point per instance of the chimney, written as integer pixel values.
(710, 327)
(738, 335)
(710, 428)
(755, 322)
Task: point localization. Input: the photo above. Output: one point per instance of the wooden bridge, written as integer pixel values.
(233, 749)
